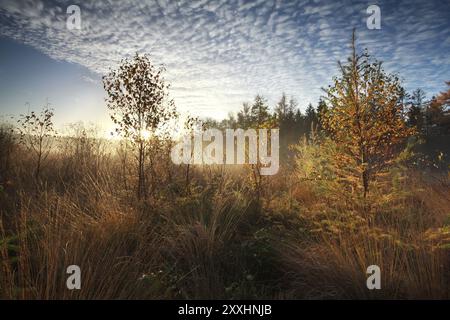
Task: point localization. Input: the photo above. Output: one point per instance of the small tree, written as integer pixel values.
(260, 118)
(322, 109)
(191, 125)
(139, 103)
(37, 133)
(259, 112)
(7, 146)
(443, 99)
(415, 112)
(244, 117)
(282, 110)
(366, 115)
(311, 119)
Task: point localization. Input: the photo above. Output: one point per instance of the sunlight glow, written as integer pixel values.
(145, 134)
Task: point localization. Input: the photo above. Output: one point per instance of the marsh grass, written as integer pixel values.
(213, 240)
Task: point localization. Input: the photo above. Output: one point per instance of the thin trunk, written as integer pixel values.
(365, 180)
(187, 179)
(38, 165)
(141, 173)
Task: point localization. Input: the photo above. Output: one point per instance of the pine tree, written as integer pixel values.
(322, 109)
(282, 108)
(366, 116)
(243, 116)
(259, 112)
(415, 112)
(310, 118)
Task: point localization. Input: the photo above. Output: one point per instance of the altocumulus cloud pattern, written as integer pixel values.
(220, 53)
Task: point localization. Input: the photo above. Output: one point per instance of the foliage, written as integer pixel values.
(36, 131)
(139, 104)
(366, 116)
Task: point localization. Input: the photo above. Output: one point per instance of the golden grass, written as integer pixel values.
(214, 241)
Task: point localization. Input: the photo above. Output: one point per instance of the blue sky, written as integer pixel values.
(217, 53)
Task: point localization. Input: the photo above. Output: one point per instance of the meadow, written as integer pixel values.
(212, 239)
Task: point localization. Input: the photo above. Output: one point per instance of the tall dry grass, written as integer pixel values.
(405, 231)
(211, 240)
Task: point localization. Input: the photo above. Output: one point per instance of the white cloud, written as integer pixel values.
(219, 54)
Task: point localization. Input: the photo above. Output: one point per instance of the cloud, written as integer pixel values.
(219, 54)
(89, 79)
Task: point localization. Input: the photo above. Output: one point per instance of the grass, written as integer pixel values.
(212, 240)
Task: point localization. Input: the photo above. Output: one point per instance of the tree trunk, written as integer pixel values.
(38, 164)
(141, 173)
(188, 182)
(365, 180)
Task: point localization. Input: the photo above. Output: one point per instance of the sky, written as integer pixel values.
(218, 54)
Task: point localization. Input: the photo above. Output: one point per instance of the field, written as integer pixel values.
(210, 237)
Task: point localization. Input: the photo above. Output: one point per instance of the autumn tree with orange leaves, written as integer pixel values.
(365, 117)
(438, 111)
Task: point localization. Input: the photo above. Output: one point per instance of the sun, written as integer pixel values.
(145, 134)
